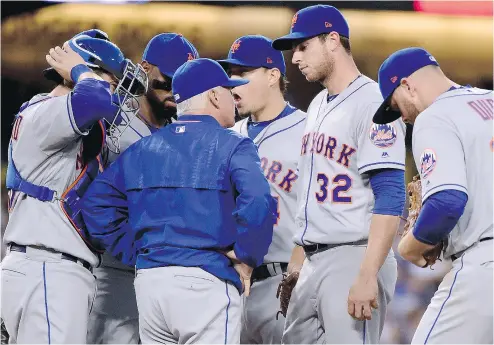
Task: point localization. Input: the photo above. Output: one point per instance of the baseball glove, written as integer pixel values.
(284, 291)
(414, 189)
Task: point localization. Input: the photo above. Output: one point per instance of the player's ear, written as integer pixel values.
(274, 76)
(146, 66)
(214, 97)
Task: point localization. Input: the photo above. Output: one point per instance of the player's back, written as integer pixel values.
(465, 114)
(46, 149)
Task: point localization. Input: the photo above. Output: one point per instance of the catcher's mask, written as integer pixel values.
(132, 81)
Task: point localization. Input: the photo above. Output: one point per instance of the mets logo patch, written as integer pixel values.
(428, 161)
(383, 135)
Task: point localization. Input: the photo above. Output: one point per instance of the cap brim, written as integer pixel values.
(234, 82)
(286, 42)
(385, 114)
(224, 63)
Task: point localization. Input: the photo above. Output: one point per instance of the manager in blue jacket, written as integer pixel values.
(195, 202)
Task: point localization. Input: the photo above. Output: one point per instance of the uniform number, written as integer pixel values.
(340, 185)
(277, 209)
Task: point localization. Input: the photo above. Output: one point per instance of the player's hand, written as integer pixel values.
(243, 270)
(363, 297)
(63, 60)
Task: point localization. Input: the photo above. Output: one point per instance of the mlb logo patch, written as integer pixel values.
(428, 161)
(180, 129)
(383, 135)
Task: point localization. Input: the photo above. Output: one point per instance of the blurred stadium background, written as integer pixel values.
(458, 33)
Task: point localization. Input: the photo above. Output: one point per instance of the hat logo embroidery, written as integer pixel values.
(268, 60)
(327, 24)
(394, 79)
(235, 46)
(294, 19)
(190, 56)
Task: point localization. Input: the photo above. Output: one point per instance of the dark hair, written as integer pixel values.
(344, 41)
(283, 83)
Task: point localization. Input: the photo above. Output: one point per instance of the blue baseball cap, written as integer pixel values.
(199, 75)
(397, 66)
(169, 51)
(255, 51)
(312, 21)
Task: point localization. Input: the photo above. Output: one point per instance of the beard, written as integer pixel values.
(160, 111)
(411, 112)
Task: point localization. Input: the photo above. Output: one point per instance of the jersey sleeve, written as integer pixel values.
(438, 155)
(379, 146)
(54, 125)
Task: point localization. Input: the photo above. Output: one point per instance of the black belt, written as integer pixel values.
(269, 270)
(458, 255)
(22, 249)
(317, 248)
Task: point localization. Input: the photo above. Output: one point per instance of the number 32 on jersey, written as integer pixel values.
(335, 188)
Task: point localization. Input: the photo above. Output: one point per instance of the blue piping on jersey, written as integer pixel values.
(74, 127)
(363, 342)
(281, 130)
(450, 290)
(446, 184)
(380, 163)
(46, 303)
(312, 157)
(227, 307)
(464, 94)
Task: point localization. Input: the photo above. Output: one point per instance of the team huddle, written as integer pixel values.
(140, 212)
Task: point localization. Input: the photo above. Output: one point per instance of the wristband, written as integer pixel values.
(77, 70)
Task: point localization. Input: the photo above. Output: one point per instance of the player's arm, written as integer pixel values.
(61, 120)
(438, 216)
(382, 158)
(388, 186)
(440, 160)
(105, 213)
(255, 207)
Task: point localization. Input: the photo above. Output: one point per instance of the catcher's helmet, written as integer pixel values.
(133, 81)
(51, 74)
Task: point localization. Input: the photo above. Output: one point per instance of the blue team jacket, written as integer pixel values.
(182, 195)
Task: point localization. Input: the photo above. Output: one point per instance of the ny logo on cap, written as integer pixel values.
(190, 56)
(327, 24)
(180, 129)
(268, 60)
(236, 46)
(294, 19)
(394, 79)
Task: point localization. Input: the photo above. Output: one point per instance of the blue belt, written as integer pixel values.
(22, 249)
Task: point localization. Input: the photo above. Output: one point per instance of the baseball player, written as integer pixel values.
(452, 147)
(194, 196)
(351, 191)
(114, 318)
(47, 284)
(276, 128)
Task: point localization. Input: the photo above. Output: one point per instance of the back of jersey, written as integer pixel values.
(453, 149)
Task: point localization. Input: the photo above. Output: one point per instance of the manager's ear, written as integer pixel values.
(214, 97)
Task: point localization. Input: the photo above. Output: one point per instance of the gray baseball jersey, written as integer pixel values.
(279, 146)
(114, 318)
(453, 149)
(51, 295)
(47, 151)
(340, 146)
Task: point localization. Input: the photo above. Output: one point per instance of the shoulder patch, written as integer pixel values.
(383, 135)
(428, 161)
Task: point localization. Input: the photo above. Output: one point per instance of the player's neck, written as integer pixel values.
(274, 107)
(434, 87)
(345, 71)
(146, 111)
(59, 90)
